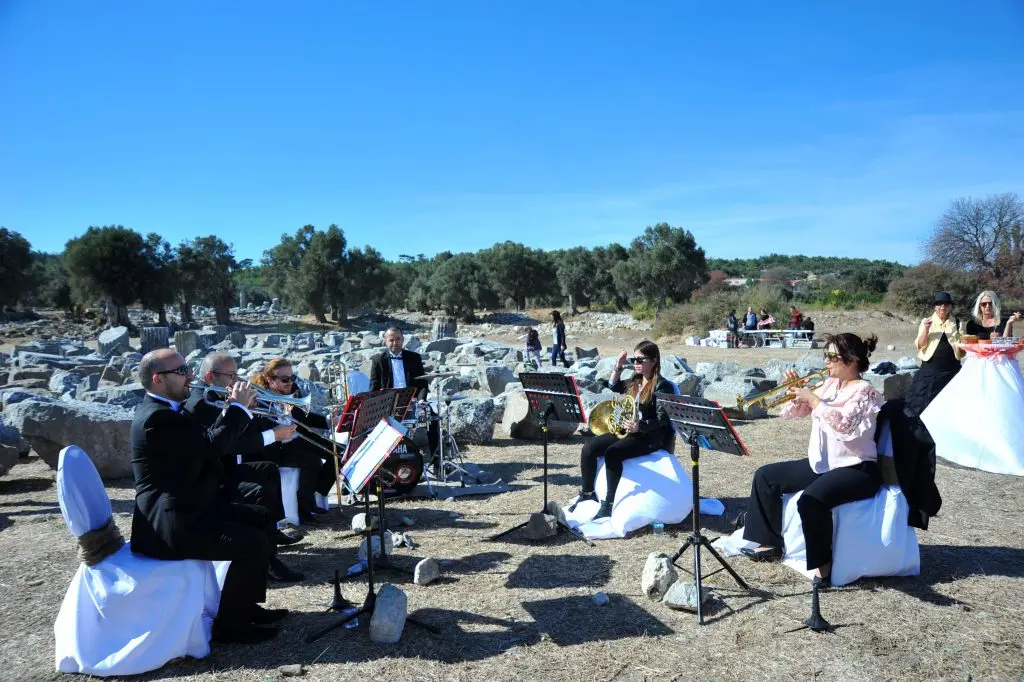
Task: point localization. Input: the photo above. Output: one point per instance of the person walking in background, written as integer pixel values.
(796, 318)
(732, 325)
(533, 347)
(558, 338)
(750, 319)
(766, 320)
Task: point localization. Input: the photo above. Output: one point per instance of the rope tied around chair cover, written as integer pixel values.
(97, 545)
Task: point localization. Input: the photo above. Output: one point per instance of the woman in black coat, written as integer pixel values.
(650, 432)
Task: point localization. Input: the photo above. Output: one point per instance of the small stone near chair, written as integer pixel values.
(682, 596)
(427, 571)
(658, 575)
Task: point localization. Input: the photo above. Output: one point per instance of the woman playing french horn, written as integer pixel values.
(651, 430)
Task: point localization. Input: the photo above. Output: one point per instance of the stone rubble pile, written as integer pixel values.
(60, 391)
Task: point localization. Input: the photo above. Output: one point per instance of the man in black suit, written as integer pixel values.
(254, 482)
(399, 368)
(181, 506)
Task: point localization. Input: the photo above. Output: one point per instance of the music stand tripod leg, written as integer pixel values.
(696, 538)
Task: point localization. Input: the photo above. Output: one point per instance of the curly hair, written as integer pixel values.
(269, 371)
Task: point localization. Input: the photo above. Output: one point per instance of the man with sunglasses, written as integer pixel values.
(182, 509)
(255, 481)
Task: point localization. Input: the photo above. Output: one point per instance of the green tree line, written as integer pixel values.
(975, 243)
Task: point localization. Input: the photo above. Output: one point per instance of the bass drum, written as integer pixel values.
(402, 470)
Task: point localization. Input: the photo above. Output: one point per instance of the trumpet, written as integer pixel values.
(780, 394)
(266, 400)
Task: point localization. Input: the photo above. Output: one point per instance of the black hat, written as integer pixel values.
(943, 297)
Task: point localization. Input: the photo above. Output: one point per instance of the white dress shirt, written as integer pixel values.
(397, 371)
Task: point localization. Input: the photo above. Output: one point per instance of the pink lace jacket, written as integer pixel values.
(842, 426)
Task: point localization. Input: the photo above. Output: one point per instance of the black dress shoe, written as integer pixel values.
(770, 554)
(279, 573)
(243, 634)
(312, 520)
(264, 616)
(281, 539)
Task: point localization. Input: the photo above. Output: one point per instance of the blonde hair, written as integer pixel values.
(976, 311)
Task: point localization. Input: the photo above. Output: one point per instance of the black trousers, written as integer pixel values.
(260, 483)
(237, 534)
(615, 451)
(315, 474)
(822, 493)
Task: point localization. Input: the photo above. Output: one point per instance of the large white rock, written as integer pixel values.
(658, 575)
(103, 431)
(473, 420)
(517, 422)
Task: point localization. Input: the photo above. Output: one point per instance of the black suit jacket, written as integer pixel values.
(179, 477)
(380, 372)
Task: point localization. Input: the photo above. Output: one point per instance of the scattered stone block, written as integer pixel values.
(540, 526)
(427, 571)
(682, 596)
(389, 613)
(658, 575)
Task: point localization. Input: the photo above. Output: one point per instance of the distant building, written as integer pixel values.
(735, 281)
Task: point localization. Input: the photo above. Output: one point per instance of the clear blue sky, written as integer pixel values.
(817, 127)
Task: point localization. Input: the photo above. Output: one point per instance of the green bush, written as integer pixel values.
(914, 292)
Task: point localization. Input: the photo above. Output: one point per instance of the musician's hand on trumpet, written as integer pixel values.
(242, 392)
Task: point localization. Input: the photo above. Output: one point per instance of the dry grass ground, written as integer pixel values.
(517, 610)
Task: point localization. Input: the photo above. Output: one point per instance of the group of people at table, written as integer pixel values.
(196, 500)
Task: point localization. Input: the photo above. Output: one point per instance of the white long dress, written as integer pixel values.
(977, 420)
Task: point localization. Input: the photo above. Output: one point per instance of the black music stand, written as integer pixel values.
(551, 397)
(701, 423)
(387, 402)
(378, 406)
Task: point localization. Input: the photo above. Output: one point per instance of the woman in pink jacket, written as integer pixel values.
(841, 464)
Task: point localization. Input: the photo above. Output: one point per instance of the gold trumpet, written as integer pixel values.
(612, 415)
(780, 394)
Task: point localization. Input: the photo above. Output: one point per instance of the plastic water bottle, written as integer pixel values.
(659, 528)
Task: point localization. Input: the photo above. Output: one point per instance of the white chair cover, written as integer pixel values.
(127, 614)
(870, 537)
(290, 494)
(977, 420)
(653, 488)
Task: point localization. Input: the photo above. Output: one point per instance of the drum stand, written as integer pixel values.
(448, 458)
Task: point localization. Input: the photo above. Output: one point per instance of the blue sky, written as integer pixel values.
(824, 128)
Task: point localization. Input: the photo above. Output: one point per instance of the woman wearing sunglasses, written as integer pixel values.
(651, 432)
(841, 464)
(986, 320)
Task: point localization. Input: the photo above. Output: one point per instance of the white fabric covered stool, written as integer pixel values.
(654, 488)
(128, 614)
(290, 494)
(870, 538)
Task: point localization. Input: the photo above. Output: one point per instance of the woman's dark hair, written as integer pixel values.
(851, 348)
(556, 316)
(648, 349)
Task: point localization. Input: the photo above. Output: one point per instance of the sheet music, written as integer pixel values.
(372, 452)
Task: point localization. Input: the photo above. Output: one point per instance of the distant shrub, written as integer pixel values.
(914, 292)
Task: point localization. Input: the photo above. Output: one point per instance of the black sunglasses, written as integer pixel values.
(639, 358)
(182, 371)
(286, 380)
